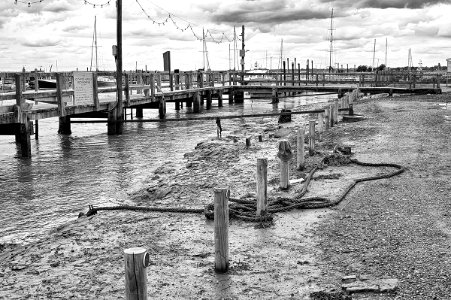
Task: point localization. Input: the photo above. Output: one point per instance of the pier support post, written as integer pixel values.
(262, 186)
(196, 100)
(300, 159)
(64, 125)
(311, 139)
(220, 98)
(239, 96)
(162, 108)
(23, 132)
(275, 96)
(209, 99)
(285, 156)
(189, 101)
(139, 112)
(221, 230)
(112, 120)
(231, 100)
(331, 115)
(327, 118)
(136, 261)
(336, 111)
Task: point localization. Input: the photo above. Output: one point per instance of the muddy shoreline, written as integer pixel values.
(393, 228)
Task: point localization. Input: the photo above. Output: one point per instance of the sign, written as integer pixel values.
(83, 88)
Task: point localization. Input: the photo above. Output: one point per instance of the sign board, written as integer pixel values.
(167, 61)
(83, 88)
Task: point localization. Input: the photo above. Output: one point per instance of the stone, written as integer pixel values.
(388, 285)
(349, 279)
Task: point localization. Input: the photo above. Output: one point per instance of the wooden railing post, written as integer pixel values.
(136, 261)
(221, 215)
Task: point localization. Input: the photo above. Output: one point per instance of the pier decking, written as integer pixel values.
(77, 95)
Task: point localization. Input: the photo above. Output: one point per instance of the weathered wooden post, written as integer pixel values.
(299, 74)
(275, 95)
(64, 120)
(327, 118)
(284, 75)
(300, 159)
(351, 109)
(320, 125)
(196, 101)
(209, 98)
(23, 132)
(162, 107)
(248, 142)
(220, 92)
(311, 139)
(285, 156)
(136, 261)
(262, 186)
(331, 115)
(292, 76)
(221, 205)
(336, 111)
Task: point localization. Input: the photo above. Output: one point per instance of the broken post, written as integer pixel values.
(285, 156)
(336, 111)
(326, 118)
(320, 125)
(221, 230)
(248, 142)
(300, 149)
(311, 149)
(136, 262)
(262, 186)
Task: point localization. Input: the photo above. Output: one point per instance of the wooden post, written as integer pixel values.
(152, 86)
(331, 115)
(231, 100)
(221, 230)
(262, 186)
(162, 108)
(127, 89)
(275, 95)
(299, 74)
(209, 99)
(320, 125)
(284, 75)
(292, 76)
(136, 261)
(260, 137)
(285, 156)
(326, 118)
(23, 133)
(324, 79)
(311, 149)
(351, 109)
(248, 142)
(220, 98)
(196, 100)
(59, 96)
(95, 92)
(336, 111)
(300, 159)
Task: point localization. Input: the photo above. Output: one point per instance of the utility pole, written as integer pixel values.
(331, 39)
(120, 105)
(243, 52)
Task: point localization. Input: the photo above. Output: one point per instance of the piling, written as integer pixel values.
(136, 261)
(248, 142)
(23, 132)
(275, 95)
(221, 230)
(331, 115)
(139, 112)
(209, 99)
(231, 96)
(300, 159)
(162, 108)
(311, 149)
(320, 125)
(220, 98)
(262, 186)
(336, 111)
(285, 156)
(238, 96)
(196, 101)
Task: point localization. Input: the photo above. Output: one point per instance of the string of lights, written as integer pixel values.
(28, 3)
(86, 2)
(96, 4)
(171, 17)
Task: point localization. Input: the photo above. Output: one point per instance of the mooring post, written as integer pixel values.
(136, 261)
(152, 86)
(221, 205)
(262, 186)
(285, 156)
(23, 132)
(331, 115)
(248, 142)
(320, 125)
(300, 159)
(336, 111)
(220, 98)
(162, 108)
(351, 109)
(311, 139)
(64, 121)
(299, 74)
(327, 118)
(238, 96)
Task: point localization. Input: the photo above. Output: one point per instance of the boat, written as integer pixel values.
(260, 77)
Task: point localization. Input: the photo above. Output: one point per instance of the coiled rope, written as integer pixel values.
(244, 209)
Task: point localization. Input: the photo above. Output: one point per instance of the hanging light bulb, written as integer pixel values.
(29, 4)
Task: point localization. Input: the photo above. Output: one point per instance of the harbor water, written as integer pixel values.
(66, 173)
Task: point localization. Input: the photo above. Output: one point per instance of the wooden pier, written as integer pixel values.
(82, 95)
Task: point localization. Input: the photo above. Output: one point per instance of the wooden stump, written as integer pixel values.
(300, 159)
(262, 186)
(311, 149)
(285, 156)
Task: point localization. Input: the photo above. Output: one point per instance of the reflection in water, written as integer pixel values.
(68, 173)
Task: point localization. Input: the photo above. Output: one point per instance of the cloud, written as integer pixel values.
(41, 42)
(384, 4)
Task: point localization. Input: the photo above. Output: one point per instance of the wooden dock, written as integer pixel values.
(78, 95)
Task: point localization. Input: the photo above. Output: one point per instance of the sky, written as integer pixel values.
(57, 35)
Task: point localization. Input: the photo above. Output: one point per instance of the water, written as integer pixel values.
(68, 173)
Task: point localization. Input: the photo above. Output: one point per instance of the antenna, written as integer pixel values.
(331, 39)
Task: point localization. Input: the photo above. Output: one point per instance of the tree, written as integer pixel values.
(381, 67)
(362, 68)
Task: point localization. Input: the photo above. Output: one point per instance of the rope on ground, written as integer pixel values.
(244, 209)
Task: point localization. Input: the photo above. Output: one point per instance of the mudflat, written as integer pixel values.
(392, 237)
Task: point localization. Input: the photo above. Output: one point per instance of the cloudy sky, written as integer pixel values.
(58, 33)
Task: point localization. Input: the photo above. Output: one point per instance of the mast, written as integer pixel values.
(95, 41)
(203, 47)
(386, 48)
(374, 52)
(281, 53)
(331, 39)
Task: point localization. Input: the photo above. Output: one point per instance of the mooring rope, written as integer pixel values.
(245, 209)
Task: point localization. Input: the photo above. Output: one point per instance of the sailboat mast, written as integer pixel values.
(203, 47)
(95, 41)
(331, 39)
(374, 52)
(386, 48)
